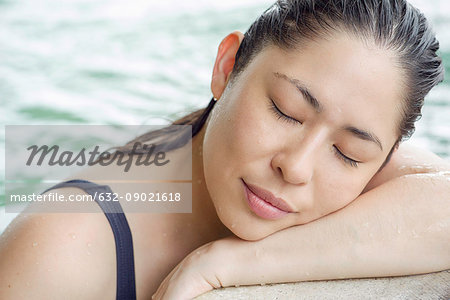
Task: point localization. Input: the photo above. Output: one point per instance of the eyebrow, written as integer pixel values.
(359, 133)
(364, 135)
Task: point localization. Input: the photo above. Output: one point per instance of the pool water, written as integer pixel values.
(142, 62)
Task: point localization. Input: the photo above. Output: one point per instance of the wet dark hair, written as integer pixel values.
(389, 24)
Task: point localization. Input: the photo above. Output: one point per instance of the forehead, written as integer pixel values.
(357, 81)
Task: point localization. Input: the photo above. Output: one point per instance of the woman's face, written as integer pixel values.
(311, 126)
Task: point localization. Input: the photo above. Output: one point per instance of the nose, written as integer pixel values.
(296, 160)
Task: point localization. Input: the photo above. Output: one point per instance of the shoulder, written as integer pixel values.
(409, 159)
(55, 255)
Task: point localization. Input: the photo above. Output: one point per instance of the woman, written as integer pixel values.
(309, 110)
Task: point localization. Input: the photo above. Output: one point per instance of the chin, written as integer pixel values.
(247, 233)
(244, 226)
(252, 237)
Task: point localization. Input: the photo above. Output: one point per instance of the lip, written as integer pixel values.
(264, 203)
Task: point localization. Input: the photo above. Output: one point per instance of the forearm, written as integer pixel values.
(401, 227)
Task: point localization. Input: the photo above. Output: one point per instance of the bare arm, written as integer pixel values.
(367, 239)
(399, 226)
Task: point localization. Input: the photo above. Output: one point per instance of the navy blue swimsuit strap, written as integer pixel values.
(126, 287)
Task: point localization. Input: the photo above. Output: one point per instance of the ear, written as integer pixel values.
(225, 62)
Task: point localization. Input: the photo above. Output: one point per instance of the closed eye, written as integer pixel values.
(345, 158)
(280, 115)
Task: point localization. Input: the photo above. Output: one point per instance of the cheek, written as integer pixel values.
(248, 136)
(338, 188)
(258, 135)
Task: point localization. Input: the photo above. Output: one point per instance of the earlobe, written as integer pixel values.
(225, 62)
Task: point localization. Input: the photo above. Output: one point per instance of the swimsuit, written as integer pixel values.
(126, 287)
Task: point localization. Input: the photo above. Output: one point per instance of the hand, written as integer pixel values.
(197, 273)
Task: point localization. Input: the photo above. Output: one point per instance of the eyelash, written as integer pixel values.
(280, 115)
(345, 159)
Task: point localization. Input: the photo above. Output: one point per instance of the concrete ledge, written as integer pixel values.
(427, 286)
